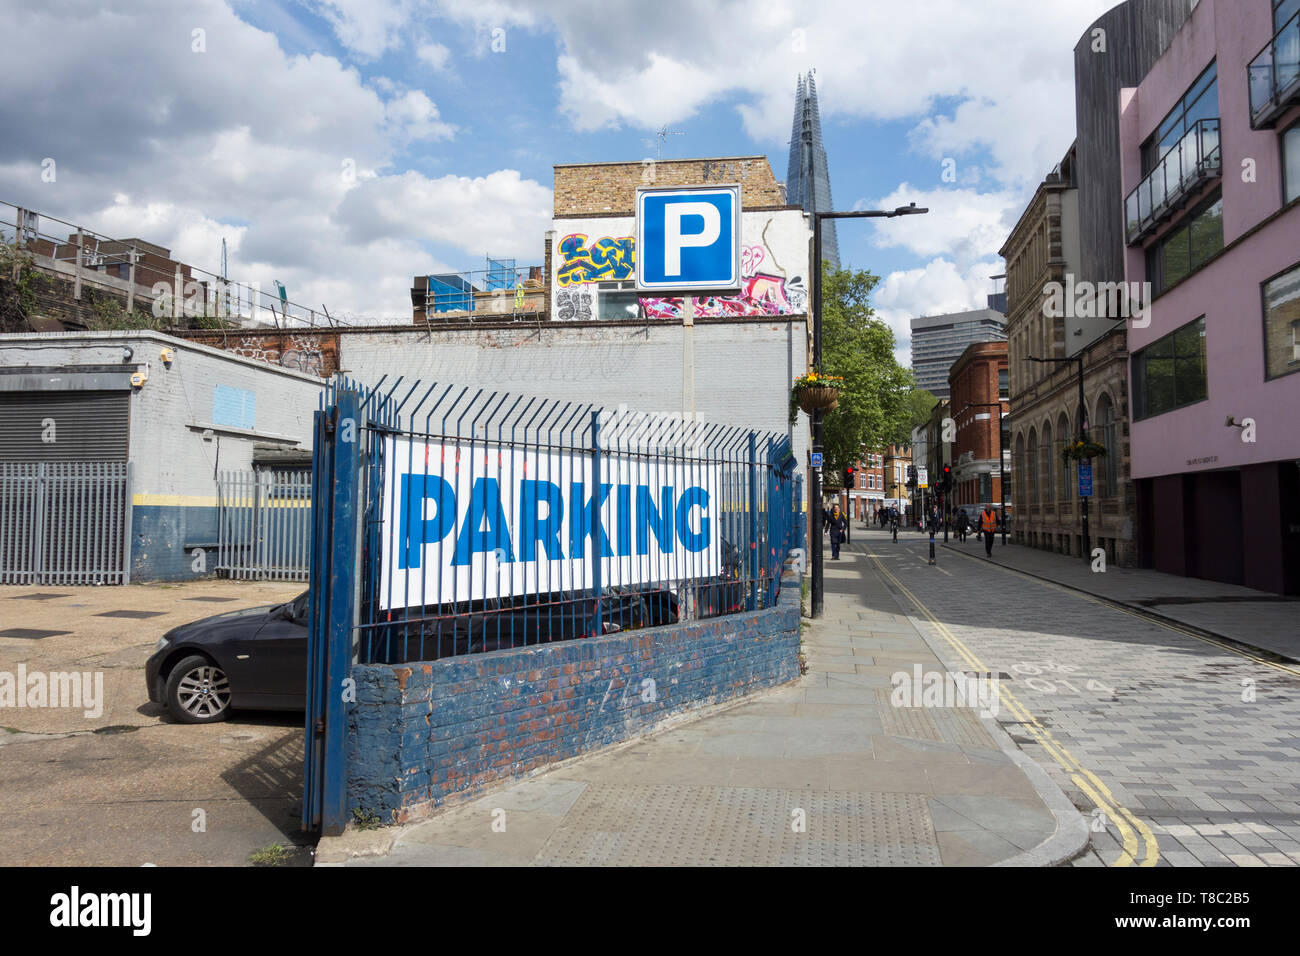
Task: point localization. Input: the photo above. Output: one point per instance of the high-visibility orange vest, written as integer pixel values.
(988, 521)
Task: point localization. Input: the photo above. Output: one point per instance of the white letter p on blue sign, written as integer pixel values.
(674, 240)
(688, 238)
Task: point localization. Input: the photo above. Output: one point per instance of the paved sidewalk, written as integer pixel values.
(1256, 619)
(822, 771)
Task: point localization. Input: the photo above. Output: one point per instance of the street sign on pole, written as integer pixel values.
(687, 239)
(816, 459)
(922, 477)
(1085, 477)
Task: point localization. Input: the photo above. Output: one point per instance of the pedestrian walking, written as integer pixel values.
(837, 526)
(988, 525)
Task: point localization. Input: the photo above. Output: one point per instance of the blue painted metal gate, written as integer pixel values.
(757, 497)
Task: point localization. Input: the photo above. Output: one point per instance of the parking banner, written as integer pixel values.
(468, 520)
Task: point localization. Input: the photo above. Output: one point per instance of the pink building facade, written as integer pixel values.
(1210, 152)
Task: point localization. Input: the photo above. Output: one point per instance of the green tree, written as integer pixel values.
(875, 407)
(920, 404)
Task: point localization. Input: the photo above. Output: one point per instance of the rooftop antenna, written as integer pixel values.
(663, 134)
(225, 278)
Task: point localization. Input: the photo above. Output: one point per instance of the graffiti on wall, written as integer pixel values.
(764, 290)
(761, 293)
(304, 360)
(574, 305)
(606, 259)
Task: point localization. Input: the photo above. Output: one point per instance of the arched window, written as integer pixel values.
(1045, 466)
(1033, 495)
(1104, 434)
(1019, 469)
(1063, 437)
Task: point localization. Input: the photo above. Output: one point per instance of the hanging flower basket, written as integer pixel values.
(814, 391)
(1078, 450)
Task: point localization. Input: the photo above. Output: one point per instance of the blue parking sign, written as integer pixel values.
(1085, 477)
(688, 239)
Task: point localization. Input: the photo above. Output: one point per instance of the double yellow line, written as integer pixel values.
(1131, 828)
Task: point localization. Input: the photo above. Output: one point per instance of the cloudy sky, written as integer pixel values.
(343, 146)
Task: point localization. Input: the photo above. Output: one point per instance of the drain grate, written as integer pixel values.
(40, 597)
(209, 598)
(29, 633)
(131, 614)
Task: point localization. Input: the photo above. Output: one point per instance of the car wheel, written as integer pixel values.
(198, 692)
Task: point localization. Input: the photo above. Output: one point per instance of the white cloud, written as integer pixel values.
(368, 28)
(435, 55)
(937, 288)
(962, 224)
(1007, 64)
(501, 214)
(412, 116)
(274, 153)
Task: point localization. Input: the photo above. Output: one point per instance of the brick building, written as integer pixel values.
(979, 401)
(1044, 249)
(591, 259)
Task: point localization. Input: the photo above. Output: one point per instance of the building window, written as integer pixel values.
(1170, 373)
(1291, 162)
(1046, 467)
(1200, 102)
(1188, 247)
(617, 300)
(1063, 436)
(1004, 385)
(1283, 11)
(1282, 323)
(1105, 436)
(986, 487)
(1032, 477)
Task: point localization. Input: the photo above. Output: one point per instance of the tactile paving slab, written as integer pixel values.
(730, 826)
(915, 722)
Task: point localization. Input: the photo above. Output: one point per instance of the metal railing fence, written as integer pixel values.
(264, 524)
(492, 520)
(65, 522)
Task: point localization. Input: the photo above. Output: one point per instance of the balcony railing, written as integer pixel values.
(1188, 164)
(1275, 76)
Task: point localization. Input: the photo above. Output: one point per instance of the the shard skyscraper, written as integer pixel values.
(807, 180)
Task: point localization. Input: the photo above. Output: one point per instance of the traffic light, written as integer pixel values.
(848, 476)
(947, 477)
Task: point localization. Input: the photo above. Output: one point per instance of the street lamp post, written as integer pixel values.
(1002, 460)
(1083, 436)
(815, 479)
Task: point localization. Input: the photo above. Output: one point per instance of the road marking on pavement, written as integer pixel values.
(1294, 672)
(1094, 789)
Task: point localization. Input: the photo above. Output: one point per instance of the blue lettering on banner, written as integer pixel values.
(416, 490)
(532, 528)
(518, 530)
(660, 521)
(485, 528)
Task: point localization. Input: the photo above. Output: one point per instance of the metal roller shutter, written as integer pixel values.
(88, 425)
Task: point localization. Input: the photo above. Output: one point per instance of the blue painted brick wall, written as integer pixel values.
(423, 732)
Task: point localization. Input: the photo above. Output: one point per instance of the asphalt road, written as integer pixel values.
(1179, 751)
(126, 786)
